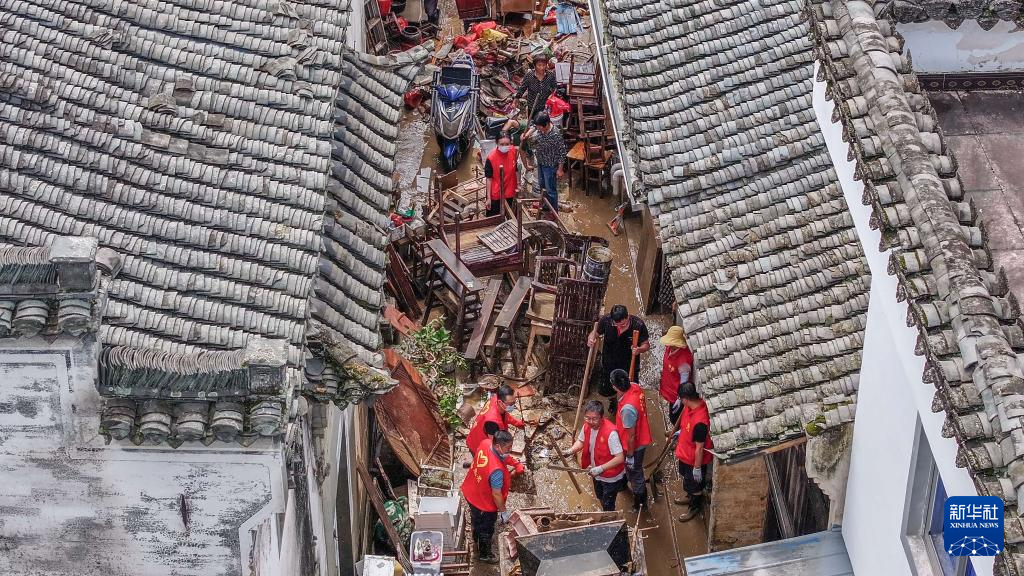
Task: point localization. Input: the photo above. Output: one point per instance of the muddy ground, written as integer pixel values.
(666, 540)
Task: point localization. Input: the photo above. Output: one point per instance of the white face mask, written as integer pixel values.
(503, 148)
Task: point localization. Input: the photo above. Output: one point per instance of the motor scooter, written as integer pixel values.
(453, 110)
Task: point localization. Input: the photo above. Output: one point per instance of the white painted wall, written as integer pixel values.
(890, 401)
(935, 47)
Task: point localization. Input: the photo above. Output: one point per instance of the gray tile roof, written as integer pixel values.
(236, 155)
(54, 289)
(954, 12)
(764, 259)
(969, 329)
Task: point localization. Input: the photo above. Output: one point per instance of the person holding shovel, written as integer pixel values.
(625, 337)
(692, 449)
(501, 169)
(635, 431)
(602, 456)
(486, 490)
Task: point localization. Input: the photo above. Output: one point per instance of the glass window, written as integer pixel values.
(922, 538)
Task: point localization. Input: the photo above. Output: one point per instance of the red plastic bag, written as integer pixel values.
(556, 106)
(464, 40)
(479, 27)
(401, 23)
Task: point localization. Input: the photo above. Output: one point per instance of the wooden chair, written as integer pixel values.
(541, 313)
(452, 285)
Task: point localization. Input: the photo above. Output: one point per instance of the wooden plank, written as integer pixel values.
(477, 339)
(512, 304)
(647, 259)
(454, 265)
(377, 499)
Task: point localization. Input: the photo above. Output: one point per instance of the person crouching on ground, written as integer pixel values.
(692, 449)
(496, 417)
(501, 169)
(676, 370)
(486, 490)
(549, 151)
(602, 455)
(634, 431)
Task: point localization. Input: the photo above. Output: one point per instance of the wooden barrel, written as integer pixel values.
(597, 264)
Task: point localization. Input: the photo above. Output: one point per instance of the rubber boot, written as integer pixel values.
(486, 555)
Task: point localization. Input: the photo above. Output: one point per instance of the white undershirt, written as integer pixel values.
(614, 447)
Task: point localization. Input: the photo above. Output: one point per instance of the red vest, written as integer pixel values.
(634, 397)
(508, 161)
(602, 453)
(476, 488)
(492, 414)
(676, 359)
(686, 448)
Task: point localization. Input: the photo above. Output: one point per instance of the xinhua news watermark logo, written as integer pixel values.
(973, 526)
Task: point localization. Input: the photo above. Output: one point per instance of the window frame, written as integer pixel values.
(922, 486)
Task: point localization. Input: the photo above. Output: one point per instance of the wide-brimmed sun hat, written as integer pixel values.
(674, 337)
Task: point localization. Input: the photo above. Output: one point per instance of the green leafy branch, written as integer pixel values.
(430, 350)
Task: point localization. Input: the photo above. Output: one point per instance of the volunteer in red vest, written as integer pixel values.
(634, 432)
(676, 370)
(602, 454)
(501, 169)
(495, 417)
(486, 490)
(692, 449)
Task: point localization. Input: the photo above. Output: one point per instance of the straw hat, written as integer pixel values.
(674, 337)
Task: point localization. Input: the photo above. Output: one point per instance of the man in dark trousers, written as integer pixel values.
(486, 490)
(549, 151)
(634, 431)
(501, 169)
(617, 353)
(692, 449)
(602, 455)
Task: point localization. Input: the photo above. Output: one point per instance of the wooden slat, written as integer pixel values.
(377, 499)
(515, 300)
(445, 256)
(490, 299)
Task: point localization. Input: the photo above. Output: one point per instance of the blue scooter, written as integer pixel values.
(453, 110)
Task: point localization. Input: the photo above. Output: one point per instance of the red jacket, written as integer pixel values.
(476, 488)
(676, 360)
(492, 414)
(686, 448)
(634, 397)
(602, 453)
(508, 161)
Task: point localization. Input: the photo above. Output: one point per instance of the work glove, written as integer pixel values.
(629, 461)
(698, 475)
(595, 471)
(675, 405)
(504, 516)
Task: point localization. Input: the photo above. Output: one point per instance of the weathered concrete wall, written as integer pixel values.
(738, 505)
(935, 47)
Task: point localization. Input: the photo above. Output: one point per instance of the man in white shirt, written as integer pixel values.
(602, 454)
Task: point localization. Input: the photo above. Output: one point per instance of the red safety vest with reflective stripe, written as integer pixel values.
(686, 448)
(634, 397)
(506, 160)
(602, 453)
(492, 414)
(476, 488)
